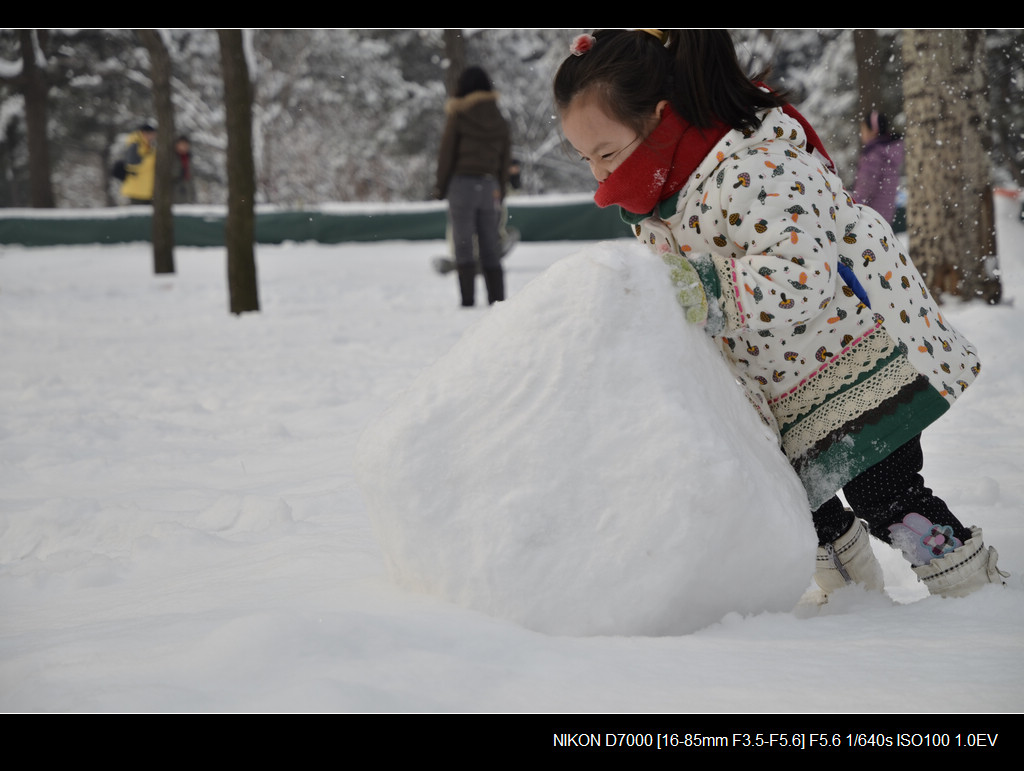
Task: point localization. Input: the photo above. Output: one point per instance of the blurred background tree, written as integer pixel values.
(356, 114)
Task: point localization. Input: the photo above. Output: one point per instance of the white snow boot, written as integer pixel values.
(848, 560)
(963, 570)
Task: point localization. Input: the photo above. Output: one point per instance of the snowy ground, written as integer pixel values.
(180, 527)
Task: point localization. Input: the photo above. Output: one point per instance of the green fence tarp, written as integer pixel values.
(537, 219)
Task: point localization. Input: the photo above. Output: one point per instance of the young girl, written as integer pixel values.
(820, 315)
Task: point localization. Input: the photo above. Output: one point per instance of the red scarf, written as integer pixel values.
(659, 167)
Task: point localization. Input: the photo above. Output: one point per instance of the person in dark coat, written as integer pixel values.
(472, 173)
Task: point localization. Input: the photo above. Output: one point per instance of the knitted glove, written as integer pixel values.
(689, 291)
(691, 296)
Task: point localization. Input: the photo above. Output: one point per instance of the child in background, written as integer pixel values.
(878, 171)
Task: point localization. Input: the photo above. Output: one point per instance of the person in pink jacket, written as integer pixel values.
(878, 172)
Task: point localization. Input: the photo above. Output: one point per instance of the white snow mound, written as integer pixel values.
(582, 463)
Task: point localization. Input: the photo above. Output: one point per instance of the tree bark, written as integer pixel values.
(35, 88)
(949, 206)
(163, 217)
(983, 280)
(869, 70)
(240, 226)
(455, 53)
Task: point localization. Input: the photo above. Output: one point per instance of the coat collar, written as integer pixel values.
(659, 168)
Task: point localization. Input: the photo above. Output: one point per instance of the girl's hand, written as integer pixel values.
(689, 290)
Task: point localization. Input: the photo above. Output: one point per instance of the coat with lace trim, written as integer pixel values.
(818, 310)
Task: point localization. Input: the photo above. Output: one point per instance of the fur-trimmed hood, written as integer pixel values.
(461, 103)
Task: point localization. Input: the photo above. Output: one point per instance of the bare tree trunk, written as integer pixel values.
(34, 88)
(455, 53)
(163, 217)
(981, 279)
(950, 225)
(869, 70)
(106, 161)
(240, 227)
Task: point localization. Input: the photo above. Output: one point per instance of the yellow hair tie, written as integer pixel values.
(658, 33)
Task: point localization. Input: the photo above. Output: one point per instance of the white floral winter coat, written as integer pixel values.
(819, 312)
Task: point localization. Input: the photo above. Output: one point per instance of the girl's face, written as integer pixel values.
(601, 140)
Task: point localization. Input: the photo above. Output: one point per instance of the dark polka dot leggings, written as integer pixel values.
(883, 495)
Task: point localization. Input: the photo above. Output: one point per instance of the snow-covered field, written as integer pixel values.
(181, 527)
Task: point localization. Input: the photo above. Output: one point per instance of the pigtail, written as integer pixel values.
(695, 70)
(708, 83)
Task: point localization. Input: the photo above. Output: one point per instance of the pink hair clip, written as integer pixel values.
(582, 44)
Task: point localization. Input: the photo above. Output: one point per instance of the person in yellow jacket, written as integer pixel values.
(140, 165)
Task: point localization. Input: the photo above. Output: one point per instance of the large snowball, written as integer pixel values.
(581, 462)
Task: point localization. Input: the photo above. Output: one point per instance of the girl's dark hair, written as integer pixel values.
(472, 79)
(695, 70)
(879, 122)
